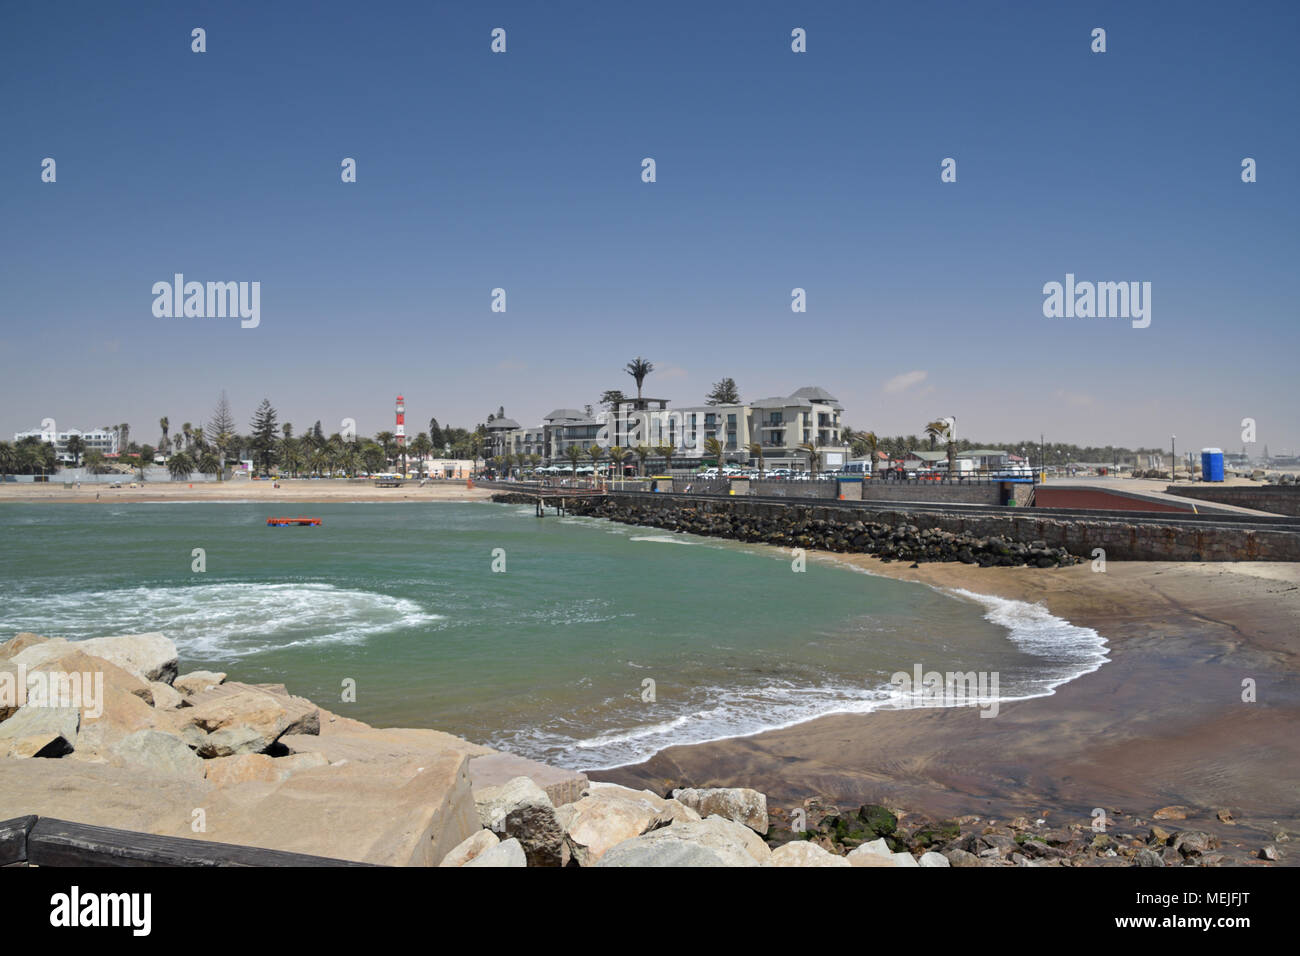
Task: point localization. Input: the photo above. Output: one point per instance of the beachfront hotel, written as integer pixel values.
(779, 425)
(98, 439)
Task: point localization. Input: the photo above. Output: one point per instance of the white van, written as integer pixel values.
(858, 466)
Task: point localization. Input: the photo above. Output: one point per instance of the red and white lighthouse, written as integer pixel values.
(401, 422)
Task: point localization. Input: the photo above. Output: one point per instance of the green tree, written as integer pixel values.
(76, 447)
(574, 453)
(264, 435)
(617, 455)
(639, 368)
(421, 448)
(209, 464)
(642, 453)
(165, 444)
(724, 393)
(756, 451)
(181, 466)
(221, 427)
(809, 448)
(715, 447)
(667, 451)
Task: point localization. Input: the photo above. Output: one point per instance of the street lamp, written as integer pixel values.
(1173, 459)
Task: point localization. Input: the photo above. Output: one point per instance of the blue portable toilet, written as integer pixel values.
(1211, 464)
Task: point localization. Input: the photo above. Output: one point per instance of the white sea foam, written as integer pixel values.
(221, 621)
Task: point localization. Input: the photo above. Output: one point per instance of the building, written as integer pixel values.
(778, 425)
(98, 439)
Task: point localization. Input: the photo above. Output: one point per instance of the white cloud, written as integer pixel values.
(900, 383)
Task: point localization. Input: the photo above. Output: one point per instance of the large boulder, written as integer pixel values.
(471, 847)
(196, 682)
(150, 657)
(37, 731)
(506, 853)
(609, 814)
(164, 696)
(242, 707)
(493, 768)
(691, 844)
(802, 853)
(739, 804)
(157, 752)
(521, 809)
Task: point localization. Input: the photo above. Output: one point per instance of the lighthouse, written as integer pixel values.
(401, 422)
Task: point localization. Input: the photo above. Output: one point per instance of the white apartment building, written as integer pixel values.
(94, 440)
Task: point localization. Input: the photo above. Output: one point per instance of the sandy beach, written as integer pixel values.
(289, 490)
(1162, 724)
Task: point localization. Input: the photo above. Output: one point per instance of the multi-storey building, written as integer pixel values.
(98, 439)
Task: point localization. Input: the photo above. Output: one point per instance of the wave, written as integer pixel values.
(215, 622)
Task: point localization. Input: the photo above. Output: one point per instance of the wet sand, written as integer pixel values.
(1163, 723)
(290, 490)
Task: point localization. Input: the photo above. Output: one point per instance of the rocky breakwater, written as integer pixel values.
(109, 732)
(793, 527)
(611, 825)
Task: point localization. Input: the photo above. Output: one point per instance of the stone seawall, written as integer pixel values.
(1275, 499)
(1003, 538)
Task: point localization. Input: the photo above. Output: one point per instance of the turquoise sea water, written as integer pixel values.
(548, 658)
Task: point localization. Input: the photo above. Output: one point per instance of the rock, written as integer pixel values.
(1189, 842)
(738, 804)
(241, 768)
(881, 821)
(18, 643)
(196, 682)
(522, 810)
(957, 857)
(163, 696)
(158, 752)
(492, 769)
(506, 853)
(471, 847)
(37, 731)
(802, 853)
(875, 853)
(714, 841)
(150, 657)
(1170, 813)
(1268, 853)
(268, 715)
(931, 858)
(231, 742)
(905, 859)
(1147, 857)
(1159, 835)
(1225, 816)
(609, 814)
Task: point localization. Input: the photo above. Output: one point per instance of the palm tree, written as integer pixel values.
(209, 464)
(181, 465)
(810, 449)
(144, 458)
(713, 446)
(421, 447)
(8, 458)
(667, 450)
(595, 453)
(869, 442)
(934, 430)
(75, 446)
(642, 452)
(385, 440)
(574, 454)
(756, 449)
(639, 368)
(617, 455)
(164, 446)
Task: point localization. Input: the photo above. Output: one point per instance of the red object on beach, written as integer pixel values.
(283, 522)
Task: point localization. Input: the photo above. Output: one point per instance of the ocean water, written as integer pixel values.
(597, 645)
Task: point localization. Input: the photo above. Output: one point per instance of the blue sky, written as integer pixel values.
(775, 170)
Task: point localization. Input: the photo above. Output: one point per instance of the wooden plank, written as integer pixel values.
(13, 839)
(63, 843)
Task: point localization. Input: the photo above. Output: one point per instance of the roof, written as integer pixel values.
(779, 403)
(498, 423)
(564, 414)
(812, 393)
(981, 452)
(928, 455)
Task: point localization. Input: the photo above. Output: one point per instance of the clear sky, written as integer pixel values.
(775, 170)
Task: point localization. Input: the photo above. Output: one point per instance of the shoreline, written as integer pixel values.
(1162, 723)
(296, 491)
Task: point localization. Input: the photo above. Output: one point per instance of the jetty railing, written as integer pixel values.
(45, 841)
